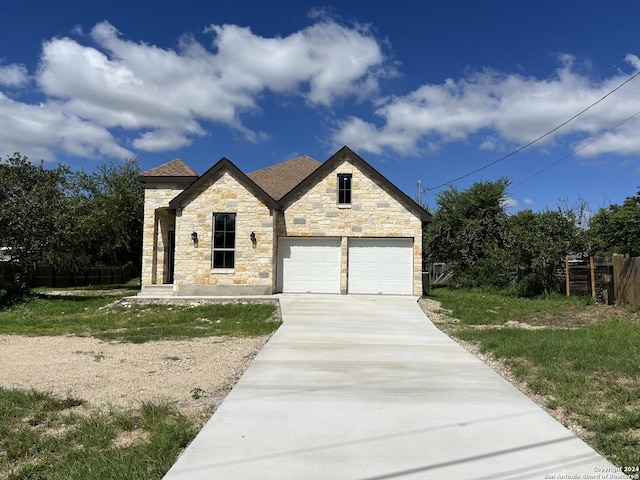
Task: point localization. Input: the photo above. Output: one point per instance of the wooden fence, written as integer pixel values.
(47, 276)
(626, 278)
(612, 280)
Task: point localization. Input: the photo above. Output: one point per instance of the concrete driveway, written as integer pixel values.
(365, 387)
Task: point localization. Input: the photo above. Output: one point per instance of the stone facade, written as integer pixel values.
(254, 263)
(158, 222)
(175, 210)
(373, 213)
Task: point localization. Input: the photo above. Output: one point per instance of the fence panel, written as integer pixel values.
(612, 280)
(626, 273)
(48, 276)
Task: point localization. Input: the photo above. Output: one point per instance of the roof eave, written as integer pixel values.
(166, 179)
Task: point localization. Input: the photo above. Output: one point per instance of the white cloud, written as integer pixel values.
(39, 131)
(160, 99)
(162, 96)
(502, 111)
(510, 202)
(331, 59)
(160, 141)
(13, 75)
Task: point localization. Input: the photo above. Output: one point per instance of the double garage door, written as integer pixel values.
(375, 265)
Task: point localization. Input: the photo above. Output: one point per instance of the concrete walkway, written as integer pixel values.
(365, 387)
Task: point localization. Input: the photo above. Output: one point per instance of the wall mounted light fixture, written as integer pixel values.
(194, 237)
(253, 239)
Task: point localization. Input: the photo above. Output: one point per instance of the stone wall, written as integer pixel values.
(254, 264)
(374, 212)
(157, 223)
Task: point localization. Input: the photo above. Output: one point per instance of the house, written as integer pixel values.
(296, 227)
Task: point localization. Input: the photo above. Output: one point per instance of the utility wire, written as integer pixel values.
(595, 139)
(519, 149)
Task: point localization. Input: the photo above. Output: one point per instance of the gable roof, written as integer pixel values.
(173, 171)
(225, 164)
(345, 153)
(278, 184)
(277, 180)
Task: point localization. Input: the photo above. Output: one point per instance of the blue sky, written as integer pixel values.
(427, 91)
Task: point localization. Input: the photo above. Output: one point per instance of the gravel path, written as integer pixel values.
(124, 374)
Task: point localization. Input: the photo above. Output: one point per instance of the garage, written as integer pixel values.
(381, 266)
(309, 265)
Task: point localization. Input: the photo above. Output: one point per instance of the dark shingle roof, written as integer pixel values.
(280, 179)
(175, 169)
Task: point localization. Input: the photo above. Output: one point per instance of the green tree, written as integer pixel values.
(36, 224)
(540, 242)
(617, 229)
(470, 232)
(109, 204)
(68, 220)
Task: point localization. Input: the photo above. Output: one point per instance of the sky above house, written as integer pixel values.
(440, 93)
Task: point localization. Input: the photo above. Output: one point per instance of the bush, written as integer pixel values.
(530, 286)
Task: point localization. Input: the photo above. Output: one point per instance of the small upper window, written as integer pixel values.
(344, 188)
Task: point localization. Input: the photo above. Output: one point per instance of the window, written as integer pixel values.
(224, 240)
(344, 188)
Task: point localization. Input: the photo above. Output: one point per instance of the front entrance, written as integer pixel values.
(170, 255)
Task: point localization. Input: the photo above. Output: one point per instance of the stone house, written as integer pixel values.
(296, 227)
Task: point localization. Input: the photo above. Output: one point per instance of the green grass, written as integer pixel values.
(96, 316)
(583, 359)
(42, 436)
(477, 306)
(46, 437)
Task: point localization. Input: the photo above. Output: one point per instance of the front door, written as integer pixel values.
(171, 256)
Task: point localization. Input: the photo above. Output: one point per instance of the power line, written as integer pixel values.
(519, 149)
(595, 139)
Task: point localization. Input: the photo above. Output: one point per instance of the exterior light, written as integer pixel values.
(253, 239)
(194, 237)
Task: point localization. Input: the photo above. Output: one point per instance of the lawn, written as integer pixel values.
(99, 314)
(581, 359)
(43, 436)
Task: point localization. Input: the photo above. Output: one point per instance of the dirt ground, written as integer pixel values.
(194, 375)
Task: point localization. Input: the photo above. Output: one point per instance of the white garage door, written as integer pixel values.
(381, 265)
(309, 265)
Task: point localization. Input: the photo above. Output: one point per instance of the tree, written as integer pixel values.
(470, 232)
(68, 220)
(540, 242)
(109, 203)
(36, 224)
(617, 229)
